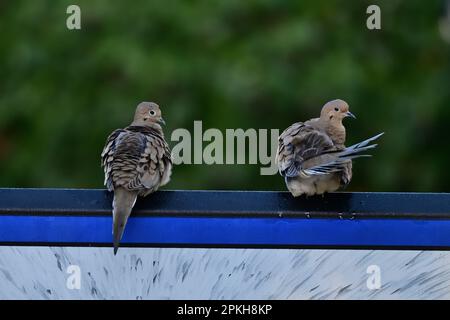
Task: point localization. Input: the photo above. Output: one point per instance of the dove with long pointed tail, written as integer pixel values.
(312, 156)
(136, 161)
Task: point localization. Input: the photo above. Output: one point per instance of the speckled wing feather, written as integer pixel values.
(107, 156)
(301, 146)
(137, 159)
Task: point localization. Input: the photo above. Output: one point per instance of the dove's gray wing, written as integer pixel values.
(109, 155)
(338, 160)
(154, 166)
(302, 146)
(137, 159)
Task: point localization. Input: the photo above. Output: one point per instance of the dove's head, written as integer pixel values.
(148, 114)
(336, 111)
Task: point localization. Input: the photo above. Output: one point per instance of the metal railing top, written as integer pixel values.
(229, 203)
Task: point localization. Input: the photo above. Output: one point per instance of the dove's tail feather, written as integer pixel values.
(123, 203)
(355, 150)
(343, 157)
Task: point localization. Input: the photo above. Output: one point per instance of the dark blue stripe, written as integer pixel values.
(225, 231)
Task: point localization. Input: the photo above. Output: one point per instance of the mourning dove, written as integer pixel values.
(136, 161)
(312, 156)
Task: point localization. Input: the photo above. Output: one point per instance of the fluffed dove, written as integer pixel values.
(136, 161)
(312, 156)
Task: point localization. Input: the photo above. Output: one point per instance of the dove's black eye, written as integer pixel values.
(336, 109)
(152, 112)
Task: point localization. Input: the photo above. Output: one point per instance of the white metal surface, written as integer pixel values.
(171, 273)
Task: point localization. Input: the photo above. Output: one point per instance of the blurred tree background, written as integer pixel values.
(231, 64)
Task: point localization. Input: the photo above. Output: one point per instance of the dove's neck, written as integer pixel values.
(152, 125)
(335, 130)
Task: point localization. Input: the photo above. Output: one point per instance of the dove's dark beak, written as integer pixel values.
(161, 121)
(349, 114)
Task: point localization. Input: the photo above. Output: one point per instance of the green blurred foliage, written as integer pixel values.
(232, 64)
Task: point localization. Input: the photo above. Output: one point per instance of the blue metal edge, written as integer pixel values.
(228, 232)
